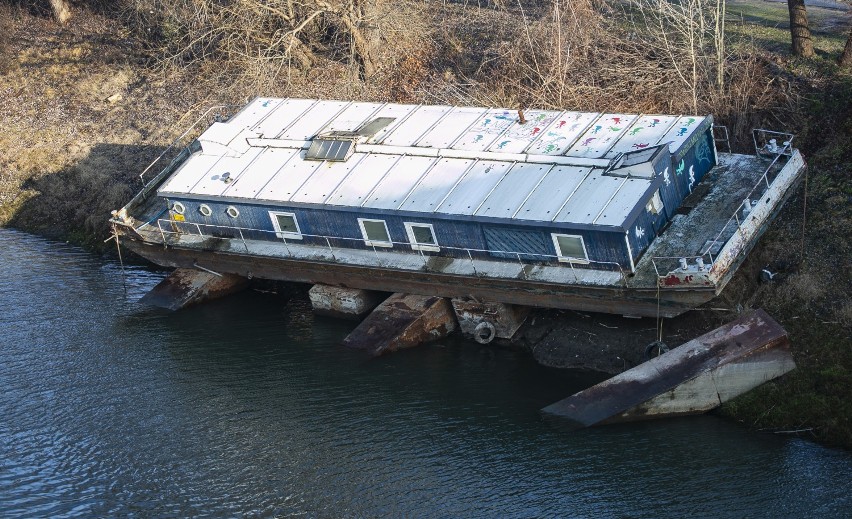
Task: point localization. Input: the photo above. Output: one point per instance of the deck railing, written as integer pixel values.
(707, 256)
(174, 228)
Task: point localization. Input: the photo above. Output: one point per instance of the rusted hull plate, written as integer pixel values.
(505, 319)
(606, 299)
(691, 379)
(403, 321)
(187, 286)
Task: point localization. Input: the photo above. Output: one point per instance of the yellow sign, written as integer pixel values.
(178, 218)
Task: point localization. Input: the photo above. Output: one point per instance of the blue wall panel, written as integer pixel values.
(454, 236)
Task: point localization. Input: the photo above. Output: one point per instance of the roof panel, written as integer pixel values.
(601, 135)
(282, 116)
(681, 131)
(393, 188)
(559, 136)
(396, 111)
(287, 180)
(190, 173)
(644, 133)
(450, 127)
(355, 188)
(324, 180)
(353, 117)
(473, 187)
(417, 124)
(625, 200)
(520, 136)
(254, 112)
(224, 173)
(591, 196)
(435, 185)
(264, 168)
(487, 129)
(556, 187)
(508, 196)
(313, 120)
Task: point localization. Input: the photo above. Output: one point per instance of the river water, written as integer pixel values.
(248, 406)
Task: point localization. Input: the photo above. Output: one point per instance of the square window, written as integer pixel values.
(375, 232)
(570, 248)
(422, 236)
(286, 226)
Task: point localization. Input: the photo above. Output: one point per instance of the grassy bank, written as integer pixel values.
(87, 106)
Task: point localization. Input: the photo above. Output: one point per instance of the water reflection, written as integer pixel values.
(249, 406)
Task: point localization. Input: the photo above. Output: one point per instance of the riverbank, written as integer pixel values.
(87, 106)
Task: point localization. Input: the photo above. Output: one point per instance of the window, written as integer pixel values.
(375, 232)
(205, 210)
(570, 248)
(655, 204)
(286, 226)
(178, 207)
(232, 211)
(421, 236)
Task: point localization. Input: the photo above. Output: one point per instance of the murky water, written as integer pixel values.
(249, 407)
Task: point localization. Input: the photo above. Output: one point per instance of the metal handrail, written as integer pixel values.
(543, 257)
(735, 216)
(174, 143)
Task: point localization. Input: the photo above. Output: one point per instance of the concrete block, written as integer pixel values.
(346, 303)
(403, 321)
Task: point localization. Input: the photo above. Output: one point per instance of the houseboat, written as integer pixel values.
(621, 213)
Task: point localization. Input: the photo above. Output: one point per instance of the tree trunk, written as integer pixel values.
(803, 45)
(61, 10)
(845, 60)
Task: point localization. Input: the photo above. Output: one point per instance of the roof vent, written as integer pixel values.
(330, 148)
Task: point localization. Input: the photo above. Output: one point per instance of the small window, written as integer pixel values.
(570, 248)
(205, 210)
(179, 208)
(375, 232)
(286, 226)
(655, 204)
(421, 236)
(232, 211)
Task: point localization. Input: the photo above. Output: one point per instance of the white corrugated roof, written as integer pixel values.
(451, 160)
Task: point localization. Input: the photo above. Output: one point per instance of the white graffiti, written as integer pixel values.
(666, 178)
(640, 232)
(691, 176)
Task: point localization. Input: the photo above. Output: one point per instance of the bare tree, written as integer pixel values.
(61, 10)
(845, 59)
(281, 33)
(691, 34)
(800, 32)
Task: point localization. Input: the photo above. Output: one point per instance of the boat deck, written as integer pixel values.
(710, 223)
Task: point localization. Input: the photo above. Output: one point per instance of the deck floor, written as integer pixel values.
(688, 234)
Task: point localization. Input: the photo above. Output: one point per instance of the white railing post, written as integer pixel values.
(523, 271)
(473, 266)
(330, 248)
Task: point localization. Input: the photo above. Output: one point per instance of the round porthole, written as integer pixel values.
(178, 207)
(232, 211)
(205, 210)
